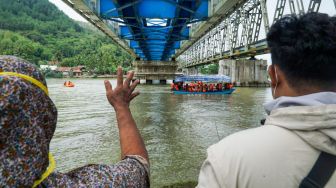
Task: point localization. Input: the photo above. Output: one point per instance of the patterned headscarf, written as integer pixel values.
(27, 124)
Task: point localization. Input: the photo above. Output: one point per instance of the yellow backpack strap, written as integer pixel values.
(27, 78)
(39, 84)
(49, 170)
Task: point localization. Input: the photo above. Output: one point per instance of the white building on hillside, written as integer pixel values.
(50, 67)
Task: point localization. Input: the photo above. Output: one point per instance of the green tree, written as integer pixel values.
(37, 31)
(210, 69)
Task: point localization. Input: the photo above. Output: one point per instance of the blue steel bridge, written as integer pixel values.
(166, 35)
(154, 28)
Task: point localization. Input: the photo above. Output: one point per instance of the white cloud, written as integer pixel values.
(68, 10)
(327, 6)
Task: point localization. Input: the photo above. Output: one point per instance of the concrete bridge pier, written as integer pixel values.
(190, 71)
(155, 72)
(245, 72)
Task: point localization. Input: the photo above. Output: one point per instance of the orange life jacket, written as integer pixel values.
(68, 84)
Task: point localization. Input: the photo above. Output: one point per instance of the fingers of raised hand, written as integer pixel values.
(133, 95)
(108, 86)
(123, 93)
(109, 90)
(119, 77)
(128, 79)
(133, 85)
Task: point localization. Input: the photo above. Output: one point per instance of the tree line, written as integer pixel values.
(38, 32)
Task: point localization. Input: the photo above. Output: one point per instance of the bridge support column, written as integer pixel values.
(190, 71)
(155, 72)
(245, 72)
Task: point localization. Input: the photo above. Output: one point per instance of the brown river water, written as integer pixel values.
(177, 129)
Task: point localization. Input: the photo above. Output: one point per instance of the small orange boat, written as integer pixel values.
(69, 84)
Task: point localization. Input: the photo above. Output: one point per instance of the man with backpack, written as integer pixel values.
(296, 146)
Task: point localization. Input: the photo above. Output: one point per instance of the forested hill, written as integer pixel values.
(37, 31)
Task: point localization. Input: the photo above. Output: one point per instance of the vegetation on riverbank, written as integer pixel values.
(210, 69)
(38, 32)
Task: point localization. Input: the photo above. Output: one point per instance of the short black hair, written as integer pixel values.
(304, 48)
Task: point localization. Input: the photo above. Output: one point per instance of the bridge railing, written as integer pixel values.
(94, 6)
(241, 33)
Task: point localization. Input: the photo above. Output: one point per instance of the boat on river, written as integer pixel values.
(209, 85)
(224, 92)
(69, 84)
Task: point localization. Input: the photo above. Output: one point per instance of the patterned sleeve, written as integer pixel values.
(133, 171)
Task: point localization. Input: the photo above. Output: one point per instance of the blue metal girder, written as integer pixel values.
(154, 27)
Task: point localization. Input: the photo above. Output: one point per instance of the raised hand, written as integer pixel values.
(121, 96)
(131, 142)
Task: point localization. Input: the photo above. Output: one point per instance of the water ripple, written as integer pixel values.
(177, 129)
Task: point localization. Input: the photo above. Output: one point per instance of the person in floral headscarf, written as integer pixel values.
(27, 123)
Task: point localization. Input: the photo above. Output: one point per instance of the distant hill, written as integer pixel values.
(38, 31)
(38, 15)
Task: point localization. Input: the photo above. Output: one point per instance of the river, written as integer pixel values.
(177, 129)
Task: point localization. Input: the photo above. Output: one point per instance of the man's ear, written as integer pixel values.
(272, 75)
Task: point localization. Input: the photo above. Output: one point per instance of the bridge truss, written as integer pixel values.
(161, 30)
(237, 35)
(150, 30)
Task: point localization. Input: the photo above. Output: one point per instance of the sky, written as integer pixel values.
(68, 10)
(327, 6)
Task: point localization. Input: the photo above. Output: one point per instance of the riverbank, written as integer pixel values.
(86, 76)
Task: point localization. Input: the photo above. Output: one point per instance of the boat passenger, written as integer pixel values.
(176, 87)
(192, 87)
(180, 86)
(211, 87)
(198, 88)
(226, 86)
(27, 124)
(205, 88)
(220, 87)
(230, 85)
(69, 84)
(215, 87)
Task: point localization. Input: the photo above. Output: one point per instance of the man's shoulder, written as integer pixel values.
(255, 135)
(264, 139)
(260, 156)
